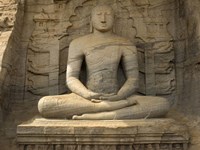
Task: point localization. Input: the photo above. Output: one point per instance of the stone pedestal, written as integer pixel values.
(151, 134)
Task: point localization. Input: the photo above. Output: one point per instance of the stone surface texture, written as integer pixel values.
(151, 134)
(101, 96)
(34, 33)
(188, 52)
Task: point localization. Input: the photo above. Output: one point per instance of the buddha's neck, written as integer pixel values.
(102, 34)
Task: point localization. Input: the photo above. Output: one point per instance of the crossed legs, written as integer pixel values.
(72, 106)
(146, 107)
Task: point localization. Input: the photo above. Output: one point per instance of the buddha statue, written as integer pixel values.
(102, 97)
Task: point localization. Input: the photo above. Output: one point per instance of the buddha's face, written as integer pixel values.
(102, 18)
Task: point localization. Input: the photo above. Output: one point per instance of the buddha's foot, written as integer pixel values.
(109, 108)
(96, 116)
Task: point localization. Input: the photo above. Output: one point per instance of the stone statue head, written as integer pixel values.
(102, 18)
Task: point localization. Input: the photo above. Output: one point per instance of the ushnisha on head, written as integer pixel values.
(102, 18)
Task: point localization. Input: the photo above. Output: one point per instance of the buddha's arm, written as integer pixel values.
(130, 67)
(75, 59)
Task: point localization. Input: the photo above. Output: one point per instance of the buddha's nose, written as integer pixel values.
(103, 19)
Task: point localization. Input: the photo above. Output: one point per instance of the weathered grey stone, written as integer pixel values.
(148, 134)
(102, 96)
(157, 23)
(56, 20)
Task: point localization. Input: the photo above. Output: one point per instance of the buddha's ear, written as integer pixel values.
(114, 27)
(91, 26)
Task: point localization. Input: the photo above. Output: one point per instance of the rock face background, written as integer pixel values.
(35, 35)
(187, 56)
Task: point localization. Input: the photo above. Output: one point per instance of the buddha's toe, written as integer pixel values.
(76, 117)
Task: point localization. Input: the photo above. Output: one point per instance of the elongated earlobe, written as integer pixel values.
(114, 27)
(91, 27)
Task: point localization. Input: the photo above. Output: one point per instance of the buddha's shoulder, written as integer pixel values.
(122, 40)
(91, 38)
(82, 39)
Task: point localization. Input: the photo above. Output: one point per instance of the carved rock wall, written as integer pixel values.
(187, 53)
(188, 56)
(34, 50)
(11, 68)
(149, 24)
(7, 11)
(12, 65)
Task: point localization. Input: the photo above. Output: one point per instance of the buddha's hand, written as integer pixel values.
(92, 95)
(111, 97)
(96, 100)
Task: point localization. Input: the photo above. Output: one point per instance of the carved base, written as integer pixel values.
(151, 134)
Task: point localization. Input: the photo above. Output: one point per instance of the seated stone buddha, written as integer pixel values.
(102, 96)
